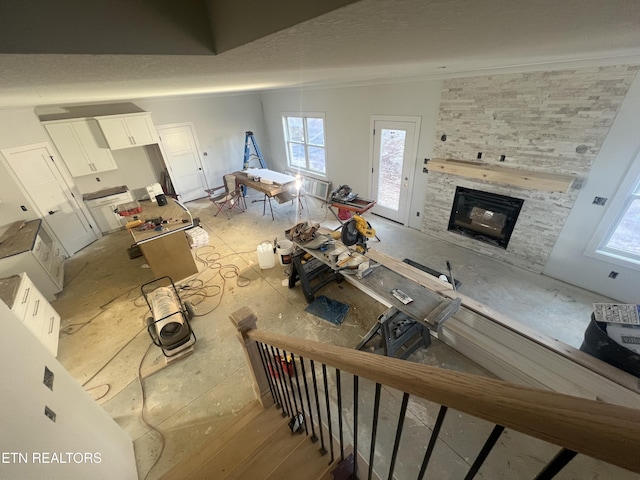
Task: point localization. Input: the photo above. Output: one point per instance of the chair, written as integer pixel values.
(228, 195)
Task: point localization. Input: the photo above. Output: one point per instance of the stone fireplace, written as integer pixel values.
(484, 216)
(535, 124)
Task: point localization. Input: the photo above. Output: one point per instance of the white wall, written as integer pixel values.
(220, 123)
(348, 137)
(567, 260)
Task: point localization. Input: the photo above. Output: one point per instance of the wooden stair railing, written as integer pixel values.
(603, 431)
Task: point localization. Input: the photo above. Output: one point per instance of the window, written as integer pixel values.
(305, 141)
(618, 237)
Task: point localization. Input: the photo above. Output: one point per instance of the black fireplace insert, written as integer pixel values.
(487, 217)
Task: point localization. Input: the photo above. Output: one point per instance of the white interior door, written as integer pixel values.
(183, 160)
(36, 170)
(394, 152)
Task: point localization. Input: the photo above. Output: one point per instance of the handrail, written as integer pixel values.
(602, 431)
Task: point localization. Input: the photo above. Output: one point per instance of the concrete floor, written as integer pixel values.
(104, 343)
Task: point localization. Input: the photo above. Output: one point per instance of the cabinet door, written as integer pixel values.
(105, 217)
(95, 146)
(115, 131)
(67, 143)
(141, 129)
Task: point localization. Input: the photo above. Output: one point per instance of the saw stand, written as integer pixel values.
(313, 274)
(401, 335)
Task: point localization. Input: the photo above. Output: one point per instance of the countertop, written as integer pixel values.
(20, 241)
(105, 192)
(8, 289)
(177, 219)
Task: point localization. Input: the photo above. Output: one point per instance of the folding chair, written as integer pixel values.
(228, 195)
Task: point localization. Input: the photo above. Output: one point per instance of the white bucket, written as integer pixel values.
(284, 251)
(265, 255)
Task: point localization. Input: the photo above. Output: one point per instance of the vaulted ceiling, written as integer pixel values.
(72, 51)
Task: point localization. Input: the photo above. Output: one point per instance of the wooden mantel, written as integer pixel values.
(549, 182)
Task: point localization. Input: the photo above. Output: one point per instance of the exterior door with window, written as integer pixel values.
(183, 160)
(394, 152)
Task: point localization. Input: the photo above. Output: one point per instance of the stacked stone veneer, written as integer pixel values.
(537, 120)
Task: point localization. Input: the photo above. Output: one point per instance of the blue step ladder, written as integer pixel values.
(249, 140)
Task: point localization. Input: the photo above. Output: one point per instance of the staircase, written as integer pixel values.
(259, 445)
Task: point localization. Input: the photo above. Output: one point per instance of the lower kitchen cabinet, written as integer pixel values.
(32, 309)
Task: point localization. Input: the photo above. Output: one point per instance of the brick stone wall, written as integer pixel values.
(537, 120)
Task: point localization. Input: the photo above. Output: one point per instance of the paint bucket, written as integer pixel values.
(265, 255)
(284, 249)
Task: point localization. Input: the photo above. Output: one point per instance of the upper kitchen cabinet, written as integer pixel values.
(82, 146)
(126, 131)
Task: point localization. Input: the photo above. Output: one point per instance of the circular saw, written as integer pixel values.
(356, 231)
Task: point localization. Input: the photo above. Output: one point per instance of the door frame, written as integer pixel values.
(192, 126)
(65, 176)
(417, 121)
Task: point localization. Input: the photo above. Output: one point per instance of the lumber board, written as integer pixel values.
(549, 182)
(422, 278)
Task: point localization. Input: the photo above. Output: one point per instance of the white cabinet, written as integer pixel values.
(32, 309)
(82, 146)
(126, 131)
(103, 210)
(35, 251)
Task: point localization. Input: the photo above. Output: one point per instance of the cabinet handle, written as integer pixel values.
(134, 139)
(46, 257)
(131, 140)
(51, 325)
(35, 308)
(95, 169)
(26, 295)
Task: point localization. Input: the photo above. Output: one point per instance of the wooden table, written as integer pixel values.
(167, 250)
(280, 189)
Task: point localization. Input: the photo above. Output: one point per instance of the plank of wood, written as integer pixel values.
(550, 182)
(422, 278)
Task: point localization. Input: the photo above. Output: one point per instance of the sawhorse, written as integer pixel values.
(400, 335)
(308, 271)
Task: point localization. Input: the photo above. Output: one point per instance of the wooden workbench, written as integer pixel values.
(280, 191)
(167, 250)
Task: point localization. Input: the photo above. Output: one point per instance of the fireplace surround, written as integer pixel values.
(484, 216)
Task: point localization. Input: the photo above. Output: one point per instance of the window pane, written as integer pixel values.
(297, 156)
(296, 131)
(390, 175)
(626, 237)
(316, 159)
(315, 131)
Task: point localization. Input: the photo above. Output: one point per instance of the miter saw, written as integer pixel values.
(356, 231)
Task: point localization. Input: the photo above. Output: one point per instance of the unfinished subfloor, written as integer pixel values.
(104, 343)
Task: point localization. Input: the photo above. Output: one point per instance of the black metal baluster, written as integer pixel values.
(355, 427)
(560, 461)
(295, 373)
(374, 428)
(280, 366)
(326, 397)
(260, 348)
(293, 392)
(323, 450)
(396, 443)
(314, 438)
(339, 391)
(275, 376)
(277, 369)
(432, 441)
(484, 453)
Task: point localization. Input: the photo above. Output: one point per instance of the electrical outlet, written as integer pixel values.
(613, 274)
(417, 214)
(502, 158)
(97, 179)
(479, 155)
(48, 378)
(24, 209)
(50, 413)
(600, 201)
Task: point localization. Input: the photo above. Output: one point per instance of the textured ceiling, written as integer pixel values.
(370, 40)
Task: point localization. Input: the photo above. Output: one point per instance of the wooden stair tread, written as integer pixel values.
(243, 445)
(200, 456)
(268, 457)
(305, 462)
